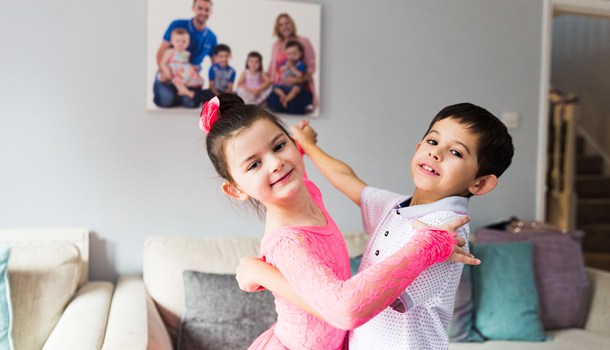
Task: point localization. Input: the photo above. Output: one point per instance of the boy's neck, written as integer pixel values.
(420, 197)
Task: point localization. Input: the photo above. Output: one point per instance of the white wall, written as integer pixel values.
(78, 148)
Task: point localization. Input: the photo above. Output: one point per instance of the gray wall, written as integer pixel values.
(77, 147)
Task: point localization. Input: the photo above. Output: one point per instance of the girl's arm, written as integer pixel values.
(254, 275)
(344, 304)
(242, 79)
(349, 304)
(164, 64)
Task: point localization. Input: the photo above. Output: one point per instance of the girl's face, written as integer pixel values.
(445, 162)
(265, 164)
(180, 42)
(254, 64)
(285, 27)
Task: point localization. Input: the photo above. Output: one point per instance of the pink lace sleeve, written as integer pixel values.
(349, 304)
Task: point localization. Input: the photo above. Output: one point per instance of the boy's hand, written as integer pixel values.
(459, 254)
(304, 134)
(245, 273)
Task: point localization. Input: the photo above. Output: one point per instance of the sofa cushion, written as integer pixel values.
(166, 257)
(43, 279)
(218, 315)
(561, 280)
(6, 317)
(505, 299)
(461, 327)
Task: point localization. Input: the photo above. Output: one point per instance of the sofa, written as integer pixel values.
(147, 310)
(54, 305)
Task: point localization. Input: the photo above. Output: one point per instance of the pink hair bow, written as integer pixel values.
(209, 114)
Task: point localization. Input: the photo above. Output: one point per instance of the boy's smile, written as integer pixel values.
(445, 162)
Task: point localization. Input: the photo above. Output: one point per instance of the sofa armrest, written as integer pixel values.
(599, 310)
(83, 323)
(134, 322)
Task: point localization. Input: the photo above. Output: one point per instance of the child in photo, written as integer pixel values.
(293, 67)
(221, 75)
(260, 163)
(253, 85)
(175, 64)
(462, 154)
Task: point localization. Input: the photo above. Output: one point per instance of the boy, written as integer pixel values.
(462, 154)
(220, 75)
(293, 67)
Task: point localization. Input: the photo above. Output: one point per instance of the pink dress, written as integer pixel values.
(253, 81)
(315, 262)
(183, 71)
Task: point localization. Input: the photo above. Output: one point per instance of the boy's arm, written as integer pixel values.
(337, 172)
(254, 275)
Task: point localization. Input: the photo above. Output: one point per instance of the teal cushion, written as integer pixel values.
(505, 296)
(6, 317)
(354, 264)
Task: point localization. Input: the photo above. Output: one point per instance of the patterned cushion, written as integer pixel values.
(218, 315)
(561, 280)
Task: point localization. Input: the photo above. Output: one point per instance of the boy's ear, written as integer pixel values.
(483, 185)
(233, 191)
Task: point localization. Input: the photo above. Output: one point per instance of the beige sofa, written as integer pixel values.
(54, 304)
(146, 311)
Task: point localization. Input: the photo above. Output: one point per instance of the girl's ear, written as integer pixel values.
(233, 191)
(483, 185)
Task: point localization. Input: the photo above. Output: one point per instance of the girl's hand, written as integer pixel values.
(245, 272)
(459, 254)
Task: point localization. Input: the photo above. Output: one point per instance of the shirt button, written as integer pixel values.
(377, 252)
(387, 233)
(398, 212)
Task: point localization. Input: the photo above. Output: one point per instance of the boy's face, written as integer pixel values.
(180, 42)
(293, 54)
(222, 58)
(445, 161)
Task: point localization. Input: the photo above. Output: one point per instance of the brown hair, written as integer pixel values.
(276, 28)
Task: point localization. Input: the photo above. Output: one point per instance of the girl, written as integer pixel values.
(253, 85)
(175, 64)
(259, 161)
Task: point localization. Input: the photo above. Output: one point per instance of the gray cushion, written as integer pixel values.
(561, 280)
(218, 315)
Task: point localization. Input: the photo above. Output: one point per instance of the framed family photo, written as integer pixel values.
(266, 51)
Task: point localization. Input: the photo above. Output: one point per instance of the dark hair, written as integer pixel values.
(255, 54)
(495, 148)
(222, 47)
(295, 43)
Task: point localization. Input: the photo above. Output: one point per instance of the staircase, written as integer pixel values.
(593, 213)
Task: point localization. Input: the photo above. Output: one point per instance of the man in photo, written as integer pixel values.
(202, 43)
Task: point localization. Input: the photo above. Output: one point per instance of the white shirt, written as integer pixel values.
(430, 298)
